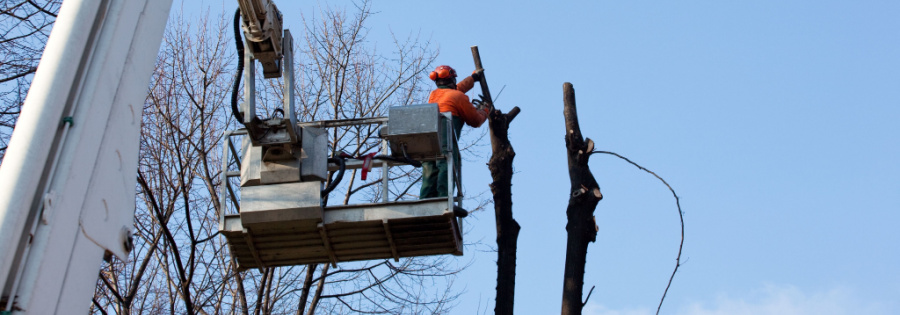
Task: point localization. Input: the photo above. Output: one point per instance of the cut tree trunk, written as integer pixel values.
(507, 228)
(583, 198)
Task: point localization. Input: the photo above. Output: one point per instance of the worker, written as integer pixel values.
(450, 97)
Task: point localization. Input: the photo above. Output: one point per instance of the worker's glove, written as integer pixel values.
(481, 105)
(477, 74)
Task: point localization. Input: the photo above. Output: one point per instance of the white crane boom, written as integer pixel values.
(67, 180)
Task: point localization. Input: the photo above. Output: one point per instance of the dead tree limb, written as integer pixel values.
(500, 165)
(583, 198)
(507, 228)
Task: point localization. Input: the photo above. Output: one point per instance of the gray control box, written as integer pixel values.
(420, 130)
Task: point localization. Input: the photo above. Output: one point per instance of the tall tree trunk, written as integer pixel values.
(240, 290)
(307, 284)
(583, 198)
(319, 288)
(507, 228)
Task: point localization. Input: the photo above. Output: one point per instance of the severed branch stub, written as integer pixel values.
(583, 199)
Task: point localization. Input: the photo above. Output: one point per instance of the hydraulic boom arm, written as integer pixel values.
(263, 28)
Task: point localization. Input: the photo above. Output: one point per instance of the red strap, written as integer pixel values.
(367, 164)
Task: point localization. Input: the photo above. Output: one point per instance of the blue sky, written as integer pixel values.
(774, 121)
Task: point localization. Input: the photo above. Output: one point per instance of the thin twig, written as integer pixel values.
(100, 308)
(112, 289)
(208, 238)
(19, 75)
(588, 296)
(680, 217)
(498, 93)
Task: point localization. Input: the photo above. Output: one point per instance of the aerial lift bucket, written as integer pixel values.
(283, 223)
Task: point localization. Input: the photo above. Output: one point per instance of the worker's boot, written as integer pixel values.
(460, 212)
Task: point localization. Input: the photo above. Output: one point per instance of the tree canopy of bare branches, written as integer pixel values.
(24, 28)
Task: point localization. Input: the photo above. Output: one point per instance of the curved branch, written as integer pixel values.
(680, 217)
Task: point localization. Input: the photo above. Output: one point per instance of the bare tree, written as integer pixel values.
(24, 28)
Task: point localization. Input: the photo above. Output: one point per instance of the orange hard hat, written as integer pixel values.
(442, 72)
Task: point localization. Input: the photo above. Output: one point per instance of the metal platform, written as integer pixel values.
(349, 233)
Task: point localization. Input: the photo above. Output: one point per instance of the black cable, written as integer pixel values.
(405, 159)
(680, 217)
(343, 166)
(240, 68)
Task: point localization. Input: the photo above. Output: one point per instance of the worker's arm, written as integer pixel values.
(465, 85)
(471, 115)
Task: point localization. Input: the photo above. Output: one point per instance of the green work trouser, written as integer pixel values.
(434, 173)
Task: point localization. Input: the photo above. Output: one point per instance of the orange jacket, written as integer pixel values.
(457, 103)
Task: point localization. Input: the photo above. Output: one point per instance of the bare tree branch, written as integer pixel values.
(24, 28)
(680, 217)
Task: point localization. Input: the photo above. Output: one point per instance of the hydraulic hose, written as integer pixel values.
(340, 175)
(240, 68)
